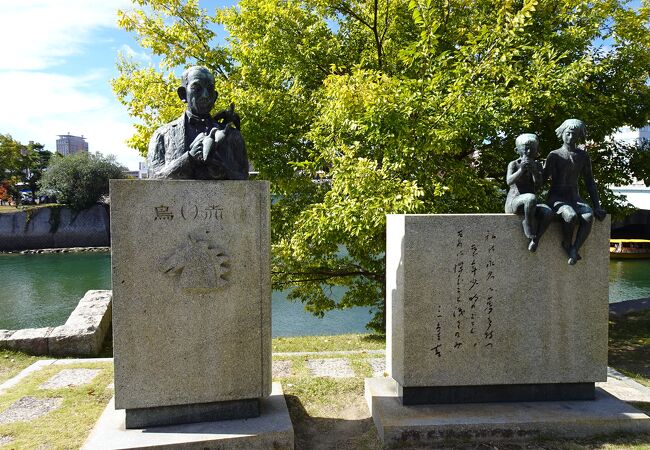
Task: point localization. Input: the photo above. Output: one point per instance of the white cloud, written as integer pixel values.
(142, 57)
(38, 38)
(37, 34)
(65, 104)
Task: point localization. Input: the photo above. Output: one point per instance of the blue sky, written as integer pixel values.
(56, 61)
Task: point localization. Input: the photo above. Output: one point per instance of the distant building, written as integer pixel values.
(637, 225)
(69, 145)
(637, 193)
(143, 170)
(632, 135)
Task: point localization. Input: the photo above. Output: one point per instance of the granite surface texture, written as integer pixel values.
(468, 304)
(85, 331)
(428, 426)
(193, 323)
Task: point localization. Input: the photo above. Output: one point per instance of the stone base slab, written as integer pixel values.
(399, 425)
(427, 395)
(271, 430)
(201, 412)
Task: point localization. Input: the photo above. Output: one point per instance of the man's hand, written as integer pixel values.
(196, 148)
(600, 213)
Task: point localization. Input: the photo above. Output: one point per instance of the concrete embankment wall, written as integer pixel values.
(83, 334)
(55, 227)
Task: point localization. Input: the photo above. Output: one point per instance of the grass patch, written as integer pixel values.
(341, 342)
(11, 363)
(326, 412)
(12, 209)
(629, 345)
(68, 426)
(330, 413)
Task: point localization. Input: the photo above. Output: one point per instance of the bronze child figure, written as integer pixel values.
(525, 178)
(565, 166)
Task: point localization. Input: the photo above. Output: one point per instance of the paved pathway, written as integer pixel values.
(70, 378)
(29, 408)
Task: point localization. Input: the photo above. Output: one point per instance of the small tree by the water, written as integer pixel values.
(79, 180)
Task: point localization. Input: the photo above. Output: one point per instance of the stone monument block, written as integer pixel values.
(473, 316)
(191, 299)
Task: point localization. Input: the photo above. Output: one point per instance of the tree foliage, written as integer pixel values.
(80, 180)
(396, 106)
(40, 158)
(20, 163)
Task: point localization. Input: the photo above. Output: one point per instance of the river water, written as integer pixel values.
(42, 290)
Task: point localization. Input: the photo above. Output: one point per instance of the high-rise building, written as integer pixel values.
(69, 145)
(143, 170)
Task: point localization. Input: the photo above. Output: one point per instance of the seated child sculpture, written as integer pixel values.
(525, 178)
(565, 166)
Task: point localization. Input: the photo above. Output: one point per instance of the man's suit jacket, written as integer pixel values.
(168, 155)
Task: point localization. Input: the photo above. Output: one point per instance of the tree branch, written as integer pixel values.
(196, 31)
(323, 274)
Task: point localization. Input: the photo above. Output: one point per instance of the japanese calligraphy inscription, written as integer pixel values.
(467, 306)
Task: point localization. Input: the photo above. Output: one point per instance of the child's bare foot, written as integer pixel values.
(573, 256)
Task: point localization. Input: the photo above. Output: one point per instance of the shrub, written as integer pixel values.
(80, 180)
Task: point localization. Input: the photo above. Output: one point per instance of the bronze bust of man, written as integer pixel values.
(197, 146)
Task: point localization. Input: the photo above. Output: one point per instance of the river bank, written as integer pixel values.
(54, 227)
(39, 251)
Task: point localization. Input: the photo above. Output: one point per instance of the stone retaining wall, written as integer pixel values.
(83, 333)
(54, 227)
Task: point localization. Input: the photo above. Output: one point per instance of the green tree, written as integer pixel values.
(395, 106)
(80, 180)
(36, 163)
(11, 163)
(20, 163)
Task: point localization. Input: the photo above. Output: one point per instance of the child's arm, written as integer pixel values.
(513, 173)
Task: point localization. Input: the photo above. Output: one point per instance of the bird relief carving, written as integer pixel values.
(200, 264)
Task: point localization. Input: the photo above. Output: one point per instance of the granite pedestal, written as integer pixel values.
(271, 430)
(486, 340)
(473, 316)
(401, 425)
(191, 299)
